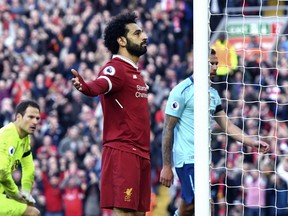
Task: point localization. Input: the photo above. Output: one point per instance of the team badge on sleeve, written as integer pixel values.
(175, 105)
(109, 70)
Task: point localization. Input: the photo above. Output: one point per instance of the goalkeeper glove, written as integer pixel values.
(18, 197)
(28, 197)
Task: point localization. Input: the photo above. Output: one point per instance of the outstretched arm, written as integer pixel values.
(236, 133)
(93, 88)
(166, 175)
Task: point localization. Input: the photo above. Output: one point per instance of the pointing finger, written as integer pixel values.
(74, 72)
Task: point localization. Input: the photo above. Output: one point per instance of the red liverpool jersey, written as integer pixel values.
(123, 95)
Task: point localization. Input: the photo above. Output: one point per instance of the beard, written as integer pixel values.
(135, 49)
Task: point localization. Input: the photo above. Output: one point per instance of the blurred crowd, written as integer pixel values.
(40, 41)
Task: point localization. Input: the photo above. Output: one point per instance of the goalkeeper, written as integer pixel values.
(15, 150)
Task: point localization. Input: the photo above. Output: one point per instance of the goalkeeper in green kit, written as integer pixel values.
(15, 150)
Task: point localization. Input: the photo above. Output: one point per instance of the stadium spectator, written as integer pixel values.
(39, 88)
(255, 193)
(52, 128)
(5, 89)
(71, 141)
(276, 196)
(227, 56)
(22, 87)
(72, 195)
(254, 43)
(228, 61)
(53, 195)
(47, 149)
(6, 113)
(92, 176)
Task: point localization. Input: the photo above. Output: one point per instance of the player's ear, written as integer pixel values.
(122, 41)
(18, 116)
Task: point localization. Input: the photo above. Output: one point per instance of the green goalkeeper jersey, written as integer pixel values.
(13, 152)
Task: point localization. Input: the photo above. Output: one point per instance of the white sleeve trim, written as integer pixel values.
(109, 83)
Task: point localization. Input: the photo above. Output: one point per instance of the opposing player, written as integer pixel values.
(178, 134)
(15, 150)
(126, 170)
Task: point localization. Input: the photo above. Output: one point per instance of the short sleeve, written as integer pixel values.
(175, 104)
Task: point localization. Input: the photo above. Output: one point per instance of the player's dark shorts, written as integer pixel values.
(186, 177)
(125, 180)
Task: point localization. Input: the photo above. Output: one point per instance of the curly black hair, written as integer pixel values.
(117, 28)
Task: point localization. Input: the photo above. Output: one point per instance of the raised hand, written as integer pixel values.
(264, 147)
(260, 145)
(75, 80)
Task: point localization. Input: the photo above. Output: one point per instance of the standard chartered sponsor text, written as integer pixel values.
(141, 94)
(141, 88)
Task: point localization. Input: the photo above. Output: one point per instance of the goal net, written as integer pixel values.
(251, 42)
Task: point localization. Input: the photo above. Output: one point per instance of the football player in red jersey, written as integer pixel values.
(126, 169)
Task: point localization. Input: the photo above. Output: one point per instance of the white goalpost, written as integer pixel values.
(201, 113)
(253, 85)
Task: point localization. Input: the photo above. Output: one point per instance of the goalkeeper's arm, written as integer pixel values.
(27, 165)
(27, 177)
(6, 179)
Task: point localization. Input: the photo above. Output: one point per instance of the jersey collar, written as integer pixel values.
(191, 78)
(126, 60)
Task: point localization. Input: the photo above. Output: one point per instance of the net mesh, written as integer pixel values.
(250, 39)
